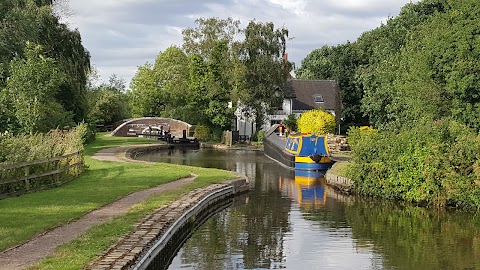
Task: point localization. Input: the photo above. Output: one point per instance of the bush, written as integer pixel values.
(87, 132)
(436, 163)
(316, 121)
(257, 136)
(291, 122)
(23, 148)
(260, 135)
(356, 134)
(202, 133)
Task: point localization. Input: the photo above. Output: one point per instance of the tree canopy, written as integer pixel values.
(44, 61)
(416, 78)
(197, 84)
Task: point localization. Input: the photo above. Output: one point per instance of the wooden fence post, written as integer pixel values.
(27, 181)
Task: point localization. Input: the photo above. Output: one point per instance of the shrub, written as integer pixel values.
(356, 134)
(86, 132)
(291, 122)
(316, 121)
(260, 135)
(201, 132)
(23, 148)
(435, 163)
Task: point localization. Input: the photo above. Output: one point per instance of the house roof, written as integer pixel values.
(303, 93)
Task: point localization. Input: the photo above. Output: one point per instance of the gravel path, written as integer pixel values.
(25, 255)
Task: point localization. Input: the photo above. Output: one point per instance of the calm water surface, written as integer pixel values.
(293, 221)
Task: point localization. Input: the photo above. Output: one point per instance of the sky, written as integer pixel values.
(124, 34)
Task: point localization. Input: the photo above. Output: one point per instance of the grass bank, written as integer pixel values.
(340, 168)
(23, 217)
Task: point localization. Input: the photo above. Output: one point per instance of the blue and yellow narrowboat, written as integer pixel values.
(301, 151)
(310, 151)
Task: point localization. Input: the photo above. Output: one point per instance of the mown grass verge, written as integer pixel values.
(23, 217)
(340, 168)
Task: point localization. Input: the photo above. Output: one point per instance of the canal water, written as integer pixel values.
(293, 221)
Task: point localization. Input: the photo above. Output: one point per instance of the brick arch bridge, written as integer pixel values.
(136, 126)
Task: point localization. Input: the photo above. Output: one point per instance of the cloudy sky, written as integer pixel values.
(124, 34)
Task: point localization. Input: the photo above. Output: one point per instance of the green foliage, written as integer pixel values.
(26, 24)
(86, 131)
(108, 102)
(260, 69)
(203, 39)
(430, 164)
(198, 85)
(260, 135)
(316, 121)
(145, 98)
(356, 134)
(185, 88)
(21, 148)
(291, 122)
(31, 89)
(201, 132)
(403, 59)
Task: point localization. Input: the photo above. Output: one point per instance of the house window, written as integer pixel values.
(275, 121)
(318, 98)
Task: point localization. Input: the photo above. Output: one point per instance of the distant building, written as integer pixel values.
(300, 96)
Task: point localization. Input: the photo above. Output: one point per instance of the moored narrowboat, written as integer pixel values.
(301, 151)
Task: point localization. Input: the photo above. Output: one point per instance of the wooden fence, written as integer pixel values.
(20, 178)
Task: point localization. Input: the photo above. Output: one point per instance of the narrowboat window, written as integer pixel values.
(318, 98)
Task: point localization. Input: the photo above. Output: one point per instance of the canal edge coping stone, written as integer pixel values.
(139, 247)
(341, 183)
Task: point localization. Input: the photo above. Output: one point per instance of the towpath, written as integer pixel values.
(25, 255)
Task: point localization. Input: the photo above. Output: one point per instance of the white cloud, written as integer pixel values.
(124, 34)
(296, 6)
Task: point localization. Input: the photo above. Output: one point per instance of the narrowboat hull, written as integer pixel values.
(299, 151)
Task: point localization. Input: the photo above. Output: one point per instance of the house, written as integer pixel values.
(299, 96)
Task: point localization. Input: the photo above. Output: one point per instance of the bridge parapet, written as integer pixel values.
(138, 126)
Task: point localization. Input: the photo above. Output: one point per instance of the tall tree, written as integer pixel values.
(439, 67)
(202, 39)
(159, 90)
(379, 58)
(338, 63)
(108, 102)
(34, 21)
(146, 98)
(264, 68)
(31, 88)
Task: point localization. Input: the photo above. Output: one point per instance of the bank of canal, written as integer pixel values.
(296, 222)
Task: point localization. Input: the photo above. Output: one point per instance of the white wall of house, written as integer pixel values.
(279, 115)
(246, 125)
(287, 106)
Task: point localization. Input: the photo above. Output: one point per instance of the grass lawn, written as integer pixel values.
(23, 217)
(340, 168)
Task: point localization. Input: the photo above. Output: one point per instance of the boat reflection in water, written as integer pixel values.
(307, 188)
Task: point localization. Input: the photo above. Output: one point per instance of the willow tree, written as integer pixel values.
(33, 21)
